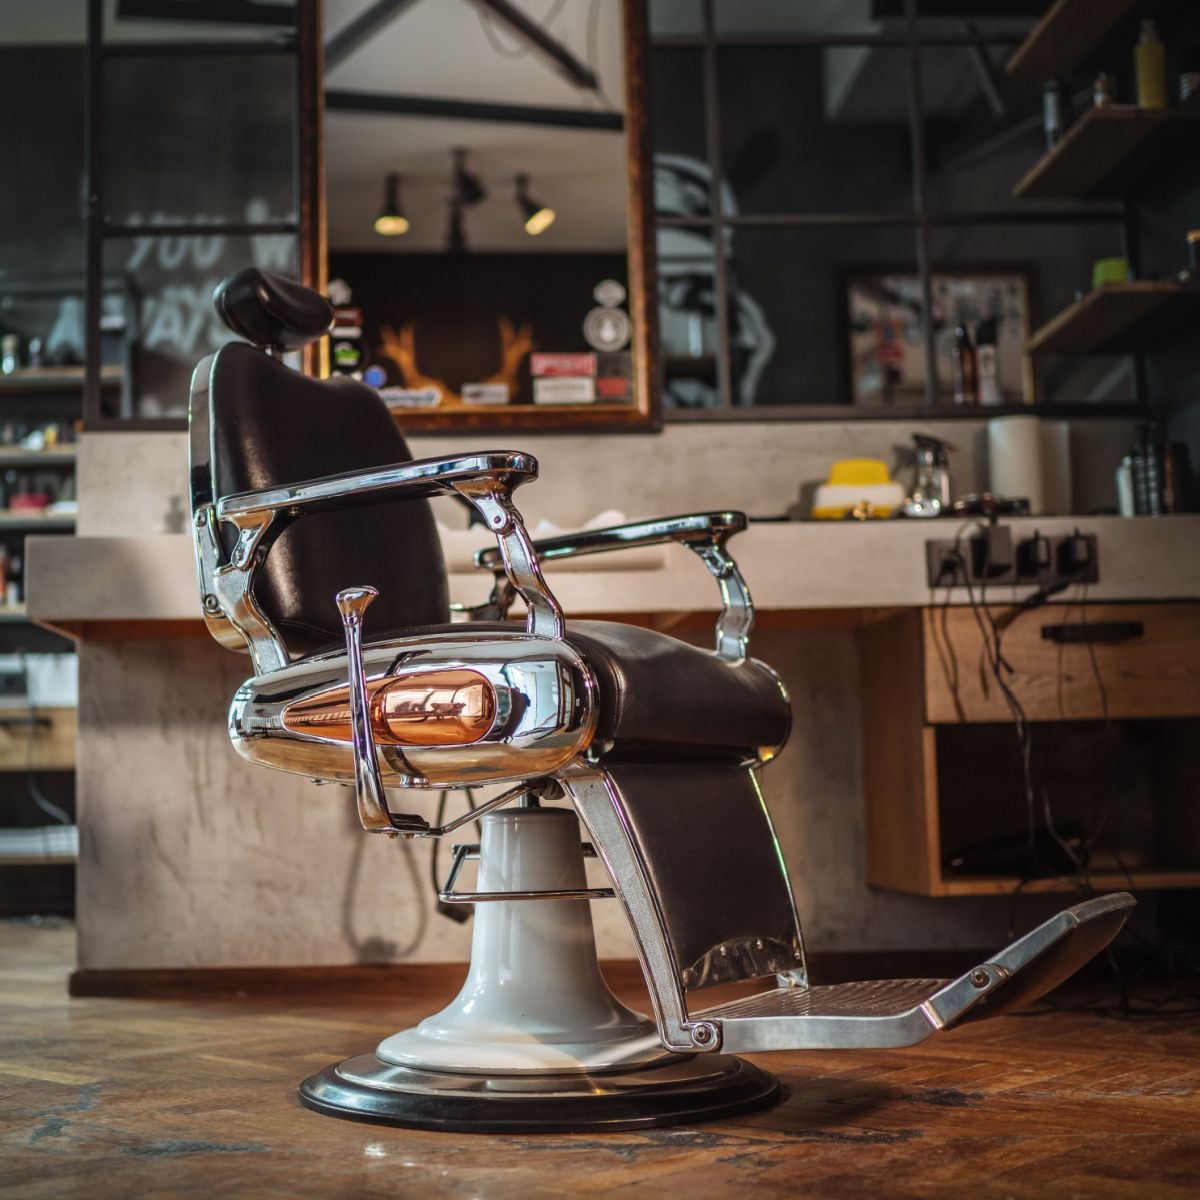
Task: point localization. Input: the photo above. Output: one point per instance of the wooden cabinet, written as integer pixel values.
(43, 740)
(1116, 727)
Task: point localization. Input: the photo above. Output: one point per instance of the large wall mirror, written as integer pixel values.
(486, 170)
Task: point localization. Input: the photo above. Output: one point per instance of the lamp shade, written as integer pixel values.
(391, 221)
(538, 217)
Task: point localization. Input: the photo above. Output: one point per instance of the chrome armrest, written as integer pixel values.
(705, 534)
(421, 477)
(486, 480)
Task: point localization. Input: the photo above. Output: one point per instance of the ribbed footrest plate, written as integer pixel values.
(901, 1012)
(865, 998)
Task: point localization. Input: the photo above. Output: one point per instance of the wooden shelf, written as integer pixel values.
(1143, 879)
(939, 765)
(55, 379)
(1121, 318)
(35, 519)
(1065, 35)
(60, 456)
(1112, 152)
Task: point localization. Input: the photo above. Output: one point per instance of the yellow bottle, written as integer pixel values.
(1150, 67)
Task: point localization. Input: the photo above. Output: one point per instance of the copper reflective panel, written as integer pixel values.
(437, 708)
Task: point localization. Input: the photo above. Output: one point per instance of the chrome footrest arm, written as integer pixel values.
(470, 852)
(902, 1012)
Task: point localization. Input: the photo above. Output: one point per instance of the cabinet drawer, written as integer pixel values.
(45, 743)
(1151, 671)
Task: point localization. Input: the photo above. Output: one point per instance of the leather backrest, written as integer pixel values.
(271, 426)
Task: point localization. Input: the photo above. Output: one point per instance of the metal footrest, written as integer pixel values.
(901, 1012)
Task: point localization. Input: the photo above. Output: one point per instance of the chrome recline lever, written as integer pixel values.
(368, 786)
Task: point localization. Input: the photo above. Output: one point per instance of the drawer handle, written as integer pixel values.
(1100, 631)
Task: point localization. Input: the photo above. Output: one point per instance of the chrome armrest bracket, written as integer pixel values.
(737, 609)
(706, 534)
(515, 552)
(232, 587)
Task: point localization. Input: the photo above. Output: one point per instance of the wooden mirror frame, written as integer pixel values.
(645, 413)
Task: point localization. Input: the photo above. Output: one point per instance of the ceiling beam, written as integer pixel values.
(538, 39)
(471, 110)
(232, 12)
(365, 26)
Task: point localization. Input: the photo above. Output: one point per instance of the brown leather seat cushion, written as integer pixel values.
(658, 692)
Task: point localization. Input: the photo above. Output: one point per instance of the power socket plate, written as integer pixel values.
(941, 552)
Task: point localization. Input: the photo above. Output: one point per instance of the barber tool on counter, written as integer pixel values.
(930, 495)
(859, 488)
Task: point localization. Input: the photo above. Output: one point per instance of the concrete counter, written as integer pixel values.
(77, 582)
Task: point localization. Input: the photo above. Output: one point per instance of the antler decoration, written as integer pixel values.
(400, 346)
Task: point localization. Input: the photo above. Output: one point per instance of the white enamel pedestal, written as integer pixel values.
(534, 1041)
(534, 1000)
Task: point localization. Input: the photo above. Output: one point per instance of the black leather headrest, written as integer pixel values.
(270, 310)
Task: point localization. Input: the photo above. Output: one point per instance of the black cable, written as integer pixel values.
(519, 51)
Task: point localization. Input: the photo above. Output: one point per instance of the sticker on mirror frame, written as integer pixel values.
(564, 390)
(607, 329)
(608, 293)
(485, 393)
(398, 397)
(562, 364)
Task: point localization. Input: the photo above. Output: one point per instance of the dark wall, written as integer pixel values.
(185, 139)
(41, 97)
(455, 302)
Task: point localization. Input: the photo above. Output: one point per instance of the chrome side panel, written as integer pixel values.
(546, 712)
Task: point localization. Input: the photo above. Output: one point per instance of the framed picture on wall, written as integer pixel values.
(885, 348)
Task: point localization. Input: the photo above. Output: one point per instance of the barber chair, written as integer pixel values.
(303, 494)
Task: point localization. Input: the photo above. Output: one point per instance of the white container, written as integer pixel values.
(1016, 460)
(1056, 467)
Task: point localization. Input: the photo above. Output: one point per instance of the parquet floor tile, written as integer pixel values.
(194, 1097)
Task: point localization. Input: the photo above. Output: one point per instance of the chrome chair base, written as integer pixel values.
(682, 1089)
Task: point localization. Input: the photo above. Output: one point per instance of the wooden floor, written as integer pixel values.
(196, 1098)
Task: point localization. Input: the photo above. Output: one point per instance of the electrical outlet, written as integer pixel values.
(989, 557)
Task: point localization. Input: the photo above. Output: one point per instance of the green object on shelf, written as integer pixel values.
(1110, 270)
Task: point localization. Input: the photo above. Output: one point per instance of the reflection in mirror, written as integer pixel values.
(192, 128)
(838, 214)
(477, 174)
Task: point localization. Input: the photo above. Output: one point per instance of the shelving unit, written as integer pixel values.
(56, 379)
(941, 758)
(1064, 37)
(1121, 318)
(19, 518)
(1112, 152)
(59, 456)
